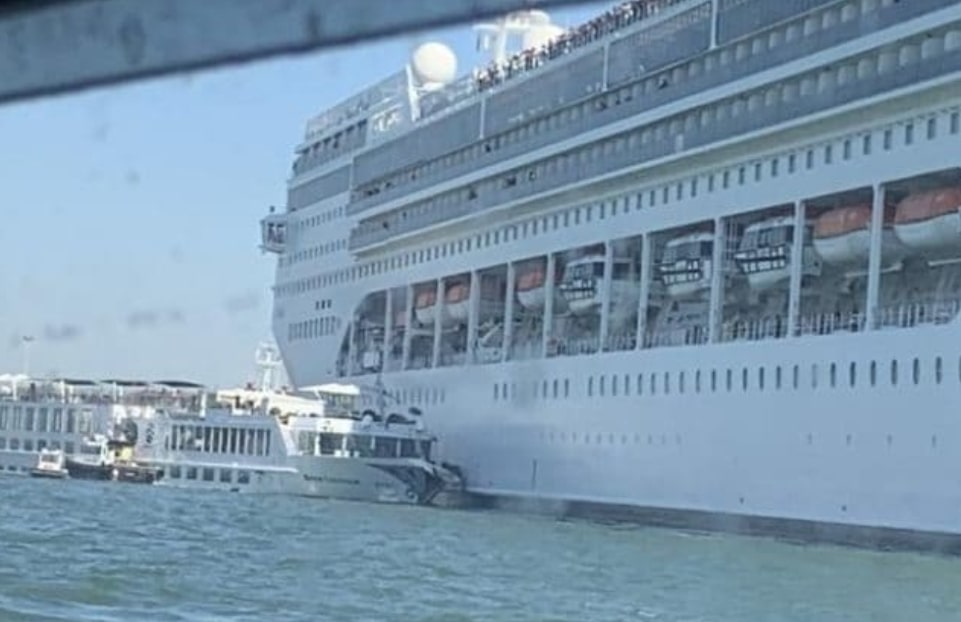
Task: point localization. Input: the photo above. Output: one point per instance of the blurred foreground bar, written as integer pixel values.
(55, 46)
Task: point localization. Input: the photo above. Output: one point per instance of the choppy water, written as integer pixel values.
(101, 551)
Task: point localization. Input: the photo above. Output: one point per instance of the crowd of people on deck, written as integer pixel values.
(613, 20)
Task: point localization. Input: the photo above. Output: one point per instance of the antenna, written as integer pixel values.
(268, 361)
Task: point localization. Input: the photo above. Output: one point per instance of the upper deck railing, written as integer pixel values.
(599, 28)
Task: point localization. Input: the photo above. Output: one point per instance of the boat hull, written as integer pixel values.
(854, 448)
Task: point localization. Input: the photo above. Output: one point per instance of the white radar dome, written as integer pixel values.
(434, 64)
(538, 36)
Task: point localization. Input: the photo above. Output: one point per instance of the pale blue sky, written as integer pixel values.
(130, 214)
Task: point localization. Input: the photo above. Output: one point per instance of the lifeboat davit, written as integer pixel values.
(930, 222)
(686, 264)
(842, 236)
(529, 286)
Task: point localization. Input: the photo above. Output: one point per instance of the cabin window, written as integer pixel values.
(590, 386)
(809, 159)
(814, 376)
(191, 472)
(873, 373)
(174, 472)
(730, 380)
(916, 371)
(640, 380)
(226, 476)
(834, 375)
(938, 370)
(828, 154)
(680, 382)
(757, 171)
(603, 385)
(497, 391)
(329, 443)
(713, 380)
(28, 445)
(909, 133)
(243, 477)
(774, 165)
(791, 163)
(555, 388)
(614, 385)
(208, 474)
(697, 381)
(694, 187)
(744, 378)
(888, 138)
(385, 447)
(408, 448)
(760, 378)
(894, 372)
(726, 179)
(567, 387)
(741, 175)
(710, 182)
(932, 128)
(955, 122)
(852, 373)
(777, 377)
(653, 384)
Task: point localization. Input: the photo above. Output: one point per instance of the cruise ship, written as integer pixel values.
(693, 261)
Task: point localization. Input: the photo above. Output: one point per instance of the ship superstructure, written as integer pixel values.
(697, 255)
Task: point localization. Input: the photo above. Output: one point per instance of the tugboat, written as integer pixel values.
(103, 459)
(50, 464)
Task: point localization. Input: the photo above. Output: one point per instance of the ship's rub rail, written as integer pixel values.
(641, 92)
(794, 530)
(809, 94)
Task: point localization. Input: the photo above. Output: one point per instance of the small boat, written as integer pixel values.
(50, 464)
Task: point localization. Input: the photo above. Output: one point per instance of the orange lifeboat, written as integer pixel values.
(842, 236)
(424, 302)
(931, 221)
(529, 285)
(456, 301)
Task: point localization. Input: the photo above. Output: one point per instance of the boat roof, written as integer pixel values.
(333, 388)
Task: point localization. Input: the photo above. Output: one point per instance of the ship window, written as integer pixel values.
(777, 377)
(627, 384)
(713, 380)
(916, 371)
(243, 477)
(191, 472)
(894, 372)
(814, 376)
(873, 373)
(866, 144)
(888, 136)
(680, 190)
(614, 385)
(590, 386)
(744, 378)
(760, 378)
(697, 381)
(852, 373)
(774, 165)
(828, 154)
(225, 476)
(847, 149)
(652, 198)
(938, 370)
(932, 128)
(665, 195)
(834, 374)
(726, 179)
(710, 182)
(544, 389)
(694, 187)
(955, 122)
(175, 472)
(640, 380)
(667, 382)
(208, 474)
(28, 445)
(680, 382)
(730, 379)
(653, 384)
(497, 391)
(809, 159)
(757, 171)
(791, 163)
(908, 133)
(741, 174)
(567, 387)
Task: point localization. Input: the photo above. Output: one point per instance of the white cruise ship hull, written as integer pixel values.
(872, 456)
